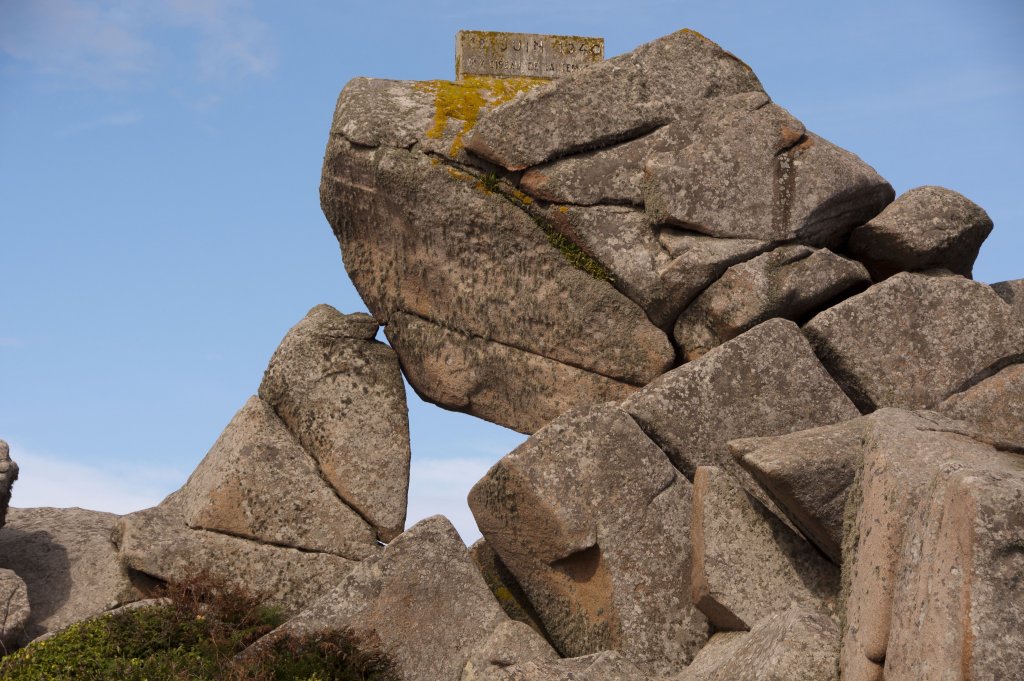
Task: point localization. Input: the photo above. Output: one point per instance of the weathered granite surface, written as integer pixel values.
(8, 474)
(15, 610)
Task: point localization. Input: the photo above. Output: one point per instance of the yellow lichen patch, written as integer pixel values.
(464, 100)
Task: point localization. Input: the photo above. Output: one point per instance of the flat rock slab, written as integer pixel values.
(493, 53)
(158, 543)
(591, 518)
(788, 282)
(914, 340)
(902, 456)
(504, 385)
(766, 381)
(15, 610)
(958, 598)
(925, 228)
(340, 393)
(614, 101)
(794, 645)
(68, 562)
(422, 602)
(747, 565)
(257, 482)
(8, 474)
(995, 406)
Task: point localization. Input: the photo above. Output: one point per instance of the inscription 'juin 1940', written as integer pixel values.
(489, 53)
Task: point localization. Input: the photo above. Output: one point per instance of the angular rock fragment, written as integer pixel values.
(8, 474)
(499, 383)
(504, 586)
(808, 474)
(925, 228)
(794, 645)
(914, 340)
(753, 172)
(340, 393)
(766, 381)
(747, 565)
(14, 610)
(958, 598)
(671, 78)
(424, 239)
(158, 543)
(1013, 293)
(902, 455)
(604, 666)
(422, 602)
(510, 643)
(995, 406)
(68, 562)
(591, 518)
(787, 282)
(258, 483)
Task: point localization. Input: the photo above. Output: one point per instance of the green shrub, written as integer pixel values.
(196, 636)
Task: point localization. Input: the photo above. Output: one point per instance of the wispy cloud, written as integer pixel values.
(440, 486)
(52, 480)
(116, 43)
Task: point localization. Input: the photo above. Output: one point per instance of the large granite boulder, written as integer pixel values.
(958, 599)
(793, 645)
(788, 282)
(258, 483)
(915, 339)
(15, 611)
(69, 563)
(592, 519)
(8, 474)
(747, 565)
(340, 394)
(925, 228)
(422, 602)
(995, 406)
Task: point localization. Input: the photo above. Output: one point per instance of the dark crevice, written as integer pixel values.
(265, 542)
(854, 290)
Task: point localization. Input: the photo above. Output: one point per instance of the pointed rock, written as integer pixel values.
(510, 643)
(158, 543)
(747, 565)
(766, 381)
(422, 602)
(68, 562)
(995, 406)
(257, 482)
(15, 613)
(925, 228)
(914, 340)
(671, 78)
(794, 645)
(591, 518)
(787, 282)
(504, 385)
(958, 598)
(340, 393)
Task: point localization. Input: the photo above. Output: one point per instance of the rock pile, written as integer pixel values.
(776, 430)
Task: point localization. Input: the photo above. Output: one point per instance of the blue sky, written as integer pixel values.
(160, 226)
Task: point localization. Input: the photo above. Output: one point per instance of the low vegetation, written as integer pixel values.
(197, 635)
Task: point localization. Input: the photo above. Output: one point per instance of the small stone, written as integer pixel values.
(925, 228)
(788, 282)
(913, 340)
(68, 562)
(747, 565)
(340, 393)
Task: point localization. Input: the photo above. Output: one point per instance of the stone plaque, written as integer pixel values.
(489, 53)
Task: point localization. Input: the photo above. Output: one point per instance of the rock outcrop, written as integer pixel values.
(8, 474)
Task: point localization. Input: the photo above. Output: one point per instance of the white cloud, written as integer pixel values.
(440, 486)
(113, 43)
(49, 480)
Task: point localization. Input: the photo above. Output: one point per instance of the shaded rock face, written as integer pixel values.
(591, 518)
(654, 171)
(940, 335)
(340, 394)
(69, 564)
(928, 227)
(424, 576)
(8, 474)
(505, 587)
(14, 609)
